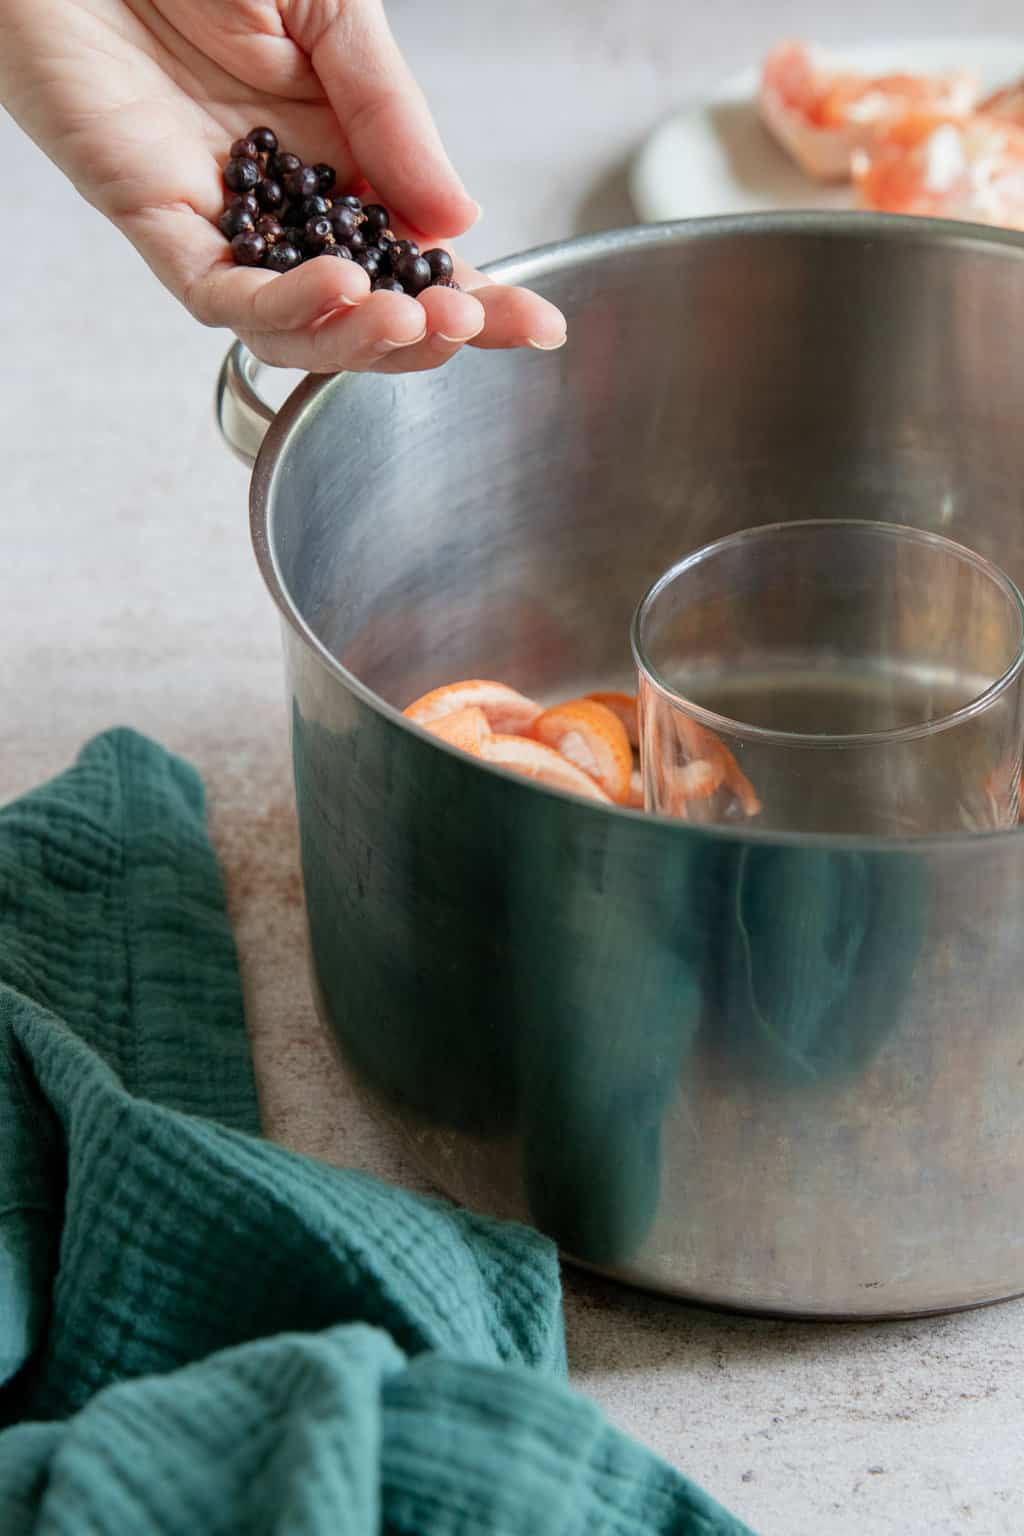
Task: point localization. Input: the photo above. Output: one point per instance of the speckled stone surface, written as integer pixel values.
(128, 595)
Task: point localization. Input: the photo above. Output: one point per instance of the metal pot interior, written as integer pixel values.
(503, 516)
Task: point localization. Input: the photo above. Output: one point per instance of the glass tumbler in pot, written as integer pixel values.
(836, 677)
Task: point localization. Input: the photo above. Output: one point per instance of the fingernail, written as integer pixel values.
(386, 345)
(539, 346)
(454, 341)
(479, 210)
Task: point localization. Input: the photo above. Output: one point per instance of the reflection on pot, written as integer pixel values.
(816, 952)
(601, 1048)
(428, 1033)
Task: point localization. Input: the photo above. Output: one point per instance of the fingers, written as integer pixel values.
(241, 298)
(322, 317)
(389, 330)
(388, 125)
(195, 261)
(348, 340)
(515, 317)
(453, 320)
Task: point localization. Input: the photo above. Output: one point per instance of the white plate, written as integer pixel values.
(716, 157)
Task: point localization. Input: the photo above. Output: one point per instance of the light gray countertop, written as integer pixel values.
(128, 595)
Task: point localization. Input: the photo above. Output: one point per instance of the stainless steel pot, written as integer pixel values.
(767, 1073)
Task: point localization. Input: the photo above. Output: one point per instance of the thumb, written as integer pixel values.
(385, 118)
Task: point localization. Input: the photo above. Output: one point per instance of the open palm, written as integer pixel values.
(139, 100)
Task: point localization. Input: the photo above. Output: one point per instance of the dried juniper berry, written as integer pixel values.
(387, 252)
(327, 177)
(336, 250)
(301, 183)
(265, 140)
(376, 218)
(315, 207)
(282, 164)
(316, 234)
(387, 285)
(270, 229)
(369, 260)
(248, 249)
(241, 175)
(440, 264)
(357, 241)
(405, 248)
(235, 220)
(349, 200)
(281, 257)
(343, 222)
(244, 149)
(270, 195)
(413, 273)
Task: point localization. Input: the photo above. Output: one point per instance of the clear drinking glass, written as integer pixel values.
(833, 676)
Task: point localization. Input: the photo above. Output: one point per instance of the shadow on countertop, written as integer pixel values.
(607, 204)
(611, 1328)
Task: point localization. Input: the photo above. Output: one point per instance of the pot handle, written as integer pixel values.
(242, 413)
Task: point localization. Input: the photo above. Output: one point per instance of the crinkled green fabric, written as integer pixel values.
(200, 1332)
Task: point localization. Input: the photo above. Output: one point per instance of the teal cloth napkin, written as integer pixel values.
(201, 1332)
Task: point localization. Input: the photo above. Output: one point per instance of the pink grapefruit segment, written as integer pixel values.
(521, 754)
(506, 710)
(589, 735)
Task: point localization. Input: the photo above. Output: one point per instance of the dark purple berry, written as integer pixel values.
(413, 273)
(343, 222)
(376, 218)
(350, 201)
(312, 208)
(336, 250)
(270, 229)
(327, 178)
(446, 282)
(293, 235)
(244, 149)
(356, 241)
(241, 175)
(270, 196)
(249, 249)
(235, 220)
(281, 257)
(406, 248)
(388, 285)
(265, 140)
(370, 262)
(301, 183)
(317, 234)
(282, 165)
(440, 264)
(388, 254)
(247, 201)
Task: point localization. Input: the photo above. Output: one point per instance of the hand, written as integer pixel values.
(138, 101)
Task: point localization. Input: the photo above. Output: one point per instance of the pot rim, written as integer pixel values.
(524, 268)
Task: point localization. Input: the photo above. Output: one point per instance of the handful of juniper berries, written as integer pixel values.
(282, 212)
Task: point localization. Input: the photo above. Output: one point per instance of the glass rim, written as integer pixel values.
(725, 725)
